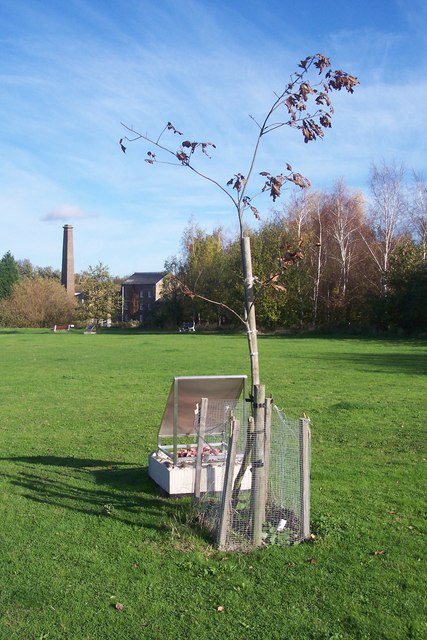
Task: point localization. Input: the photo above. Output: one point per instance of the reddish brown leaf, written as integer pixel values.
(305, 90)
(321, 62)
(300, 181)
(278, 287)
(119, 606)
(207, 144)
(325, 121)
(172, 128)
(182, 157)
(303, 64)
(378, 553)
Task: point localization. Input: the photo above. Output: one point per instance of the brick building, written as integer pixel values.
(140, 292)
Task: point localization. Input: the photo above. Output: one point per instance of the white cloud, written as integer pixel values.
(66, 212)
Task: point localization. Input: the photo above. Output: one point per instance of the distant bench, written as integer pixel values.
(90, 329)
(187, 326)
(62, 327)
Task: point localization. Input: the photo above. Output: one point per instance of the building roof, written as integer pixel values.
(150, 277)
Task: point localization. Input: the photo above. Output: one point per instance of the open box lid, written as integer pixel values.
(187, 391)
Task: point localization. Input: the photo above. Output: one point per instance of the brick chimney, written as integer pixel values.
(67, 277)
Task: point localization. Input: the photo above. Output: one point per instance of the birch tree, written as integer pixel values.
(387, 213)
(418, 211)
(346, 213)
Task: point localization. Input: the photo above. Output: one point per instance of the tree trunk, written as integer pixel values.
(250, 311)
(255, 436)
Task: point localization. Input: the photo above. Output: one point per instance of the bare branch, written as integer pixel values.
(192, 294)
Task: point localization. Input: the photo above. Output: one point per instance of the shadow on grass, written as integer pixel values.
(119, 491)
(394, 362)
(414, 363)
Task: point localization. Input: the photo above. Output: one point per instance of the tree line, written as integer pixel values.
(352, 262)
(330, 259)
(34, 296)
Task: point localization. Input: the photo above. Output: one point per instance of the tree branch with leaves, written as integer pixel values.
(304, 104)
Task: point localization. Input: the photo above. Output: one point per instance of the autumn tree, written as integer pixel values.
(202, 272)
(101, 299)
(37, 302)
(406, 304)
(27, 270)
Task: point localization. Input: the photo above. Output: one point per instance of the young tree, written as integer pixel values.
(9, 274)
(37, 302)
(100, 294)
(303, 104)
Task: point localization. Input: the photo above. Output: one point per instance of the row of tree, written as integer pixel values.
(328, 259)
(34, 297)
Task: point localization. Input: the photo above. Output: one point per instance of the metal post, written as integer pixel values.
(267, 445)
(304, 425)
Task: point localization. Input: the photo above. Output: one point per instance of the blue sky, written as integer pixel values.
(72, 70)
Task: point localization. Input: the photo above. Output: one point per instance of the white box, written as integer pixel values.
(179, 479)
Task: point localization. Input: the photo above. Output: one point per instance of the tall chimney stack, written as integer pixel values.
(67, 277)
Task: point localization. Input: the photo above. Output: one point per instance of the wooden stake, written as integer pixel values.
(258, 492)
(200, 444)
(227, 491)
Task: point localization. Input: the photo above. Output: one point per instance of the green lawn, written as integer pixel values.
(82, 527)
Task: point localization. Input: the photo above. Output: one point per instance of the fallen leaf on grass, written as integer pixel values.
(135, 565)
(220, 609)
(119, 606)
(313, 561)
(378, 553)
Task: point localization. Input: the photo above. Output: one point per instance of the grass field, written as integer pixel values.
(82, 527)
